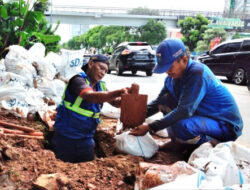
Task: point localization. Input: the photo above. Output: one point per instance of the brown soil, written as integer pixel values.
(22, 161)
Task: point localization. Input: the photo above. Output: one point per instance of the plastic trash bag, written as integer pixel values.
(225, 165)
(162, 133)
(17, 61)
(11, 79)
(144, 146)
(72, 62)
(110, 111)
(2, 66)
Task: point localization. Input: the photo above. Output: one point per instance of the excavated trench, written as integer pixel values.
(23, 160)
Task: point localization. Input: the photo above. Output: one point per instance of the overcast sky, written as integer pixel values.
(198, 5)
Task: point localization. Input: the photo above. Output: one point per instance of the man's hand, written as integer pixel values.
(141, 130)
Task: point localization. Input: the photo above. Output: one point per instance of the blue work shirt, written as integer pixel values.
(197, 92)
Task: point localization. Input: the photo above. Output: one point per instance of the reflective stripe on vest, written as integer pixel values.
(76, 106)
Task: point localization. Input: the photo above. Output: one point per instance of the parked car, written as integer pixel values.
(248, 82)
(230, 59)
(132, 56)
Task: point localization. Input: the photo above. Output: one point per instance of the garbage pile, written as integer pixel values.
(31, 82)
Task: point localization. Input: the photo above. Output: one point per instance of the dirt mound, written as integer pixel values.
(22, 161)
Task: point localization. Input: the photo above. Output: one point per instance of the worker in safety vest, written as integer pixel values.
(78, 114)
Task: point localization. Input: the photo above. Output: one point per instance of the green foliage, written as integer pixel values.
(236, 36)
(143, 11)
(209, 34)
(153, 32)
(106, 38)
(22, 25)
(192, 30)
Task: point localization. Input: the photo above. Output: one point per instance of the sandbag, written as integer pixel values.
(110, 111)
(20, 101)
(17, 61)
(2, 66)
(161, 133)
(225, 165)
(72, 62)
(36, 52)
(12, 79)
(144, 146)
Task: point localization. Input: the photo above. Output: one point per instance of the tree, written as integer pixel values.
(22, 25)
(210, 34)
(103, 38)
(192, 30)
(106, 38)
(153, 32)
(236, 36)
(143, 11)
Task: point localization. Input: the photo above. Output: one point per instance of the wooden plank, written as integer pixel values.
(24, 136)
(19, 127)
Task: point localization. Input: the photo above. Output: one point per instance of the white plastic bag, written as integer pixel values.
(72, 62)
(226, 165)
(17, 61)
(55, 60)
(162, 133)
(2, 66)
(20, 101)
(46, 69)
(144, 146)
(110, 111)
(36, 52)
(12, 79)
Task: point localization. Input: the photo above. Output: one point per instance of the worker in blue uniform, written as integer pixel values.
(78, 114)
(196, 106)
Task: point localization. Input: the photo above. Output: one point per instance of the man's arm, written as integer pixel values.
(79, 87)
(116, 102)
(193, 92)
(153, 107)
(104, 96)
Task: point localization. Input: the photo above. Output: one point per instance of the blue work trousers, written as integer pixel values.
(199, 129)
(73, 150)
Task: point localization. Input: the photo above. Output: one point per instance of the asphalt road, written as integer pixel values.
(152, 86)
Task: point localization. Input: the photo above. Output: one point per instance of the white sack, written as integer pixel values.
(225, 165)
(17, 61)
(72, 62)
(110, 111)
(49, 66)
(144, 146)
(20, 101)
(51, 88)
(37, 52)
(12, 79)
(55, 60)
(2, 66)
(46, 69)
(162, 133)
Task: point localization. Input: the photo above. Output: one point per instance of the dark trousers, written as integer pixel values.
(73, 150)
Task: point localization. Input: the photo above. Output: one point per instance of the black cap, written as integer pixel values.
(96, 58)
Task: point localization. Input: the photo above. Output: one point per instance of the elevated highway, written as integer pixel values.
(116, 16)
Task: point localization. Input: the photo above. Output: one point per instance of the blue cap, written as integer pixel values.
(167, 52)
(99, 58)
(96, 58)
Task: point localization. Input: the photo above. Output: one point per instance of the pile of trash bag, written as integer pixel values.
(31, 81)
